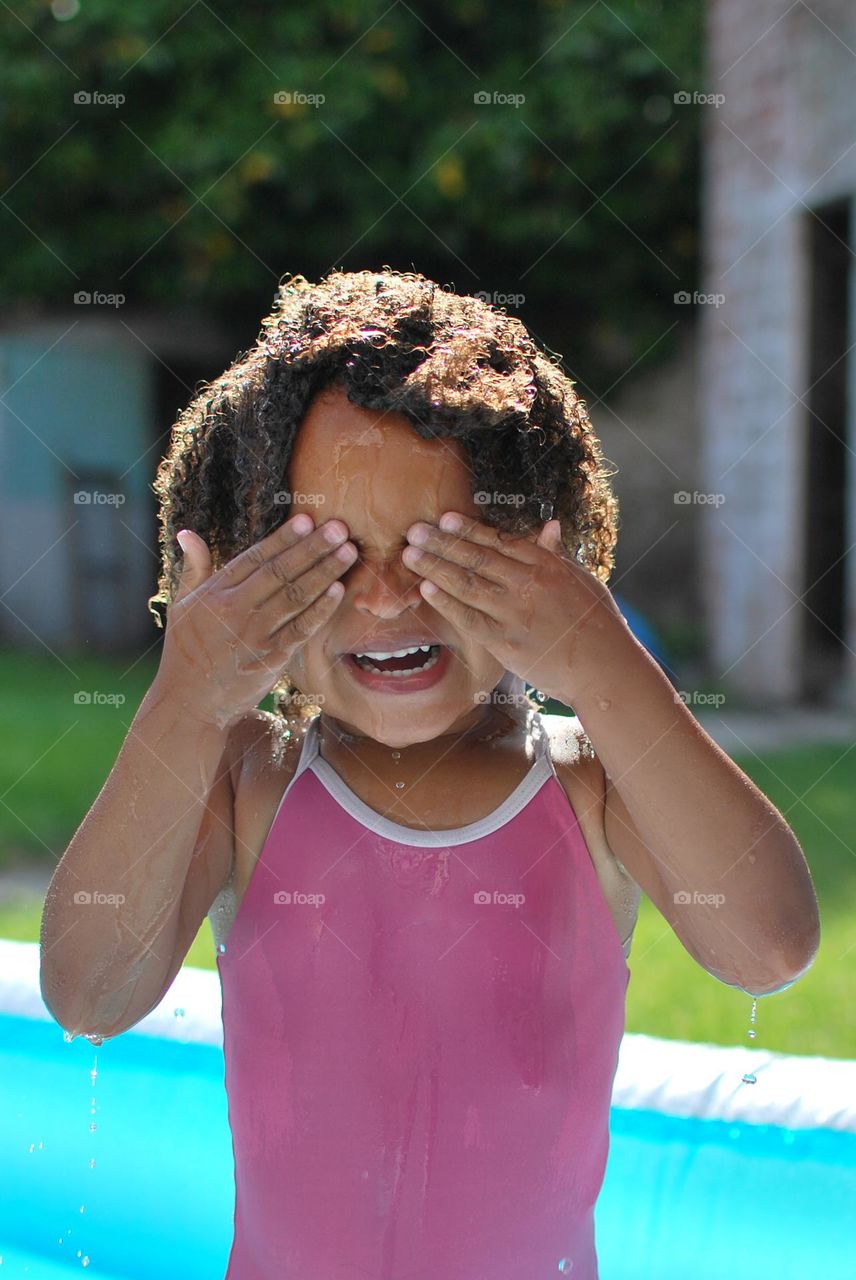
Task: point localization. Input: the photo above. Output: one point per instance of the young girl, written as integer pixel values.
(422, 890)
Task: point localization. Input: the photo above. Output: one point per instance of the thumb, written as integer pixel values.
(550, 537)
(195, 563)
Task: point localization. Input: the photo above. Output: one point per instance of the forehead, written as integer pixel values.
(367, 463)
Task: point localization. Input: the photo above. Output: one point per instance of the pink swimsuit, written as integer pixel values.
(421, 1032)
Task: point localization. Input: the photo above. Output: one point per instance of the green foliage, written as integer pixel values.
(202, 188)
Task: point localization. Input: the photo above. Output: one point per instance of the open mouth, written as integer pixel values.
(404, 662)
(410, 670)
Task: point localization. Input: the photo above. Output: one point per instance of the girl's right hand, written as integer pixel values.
(231, 633)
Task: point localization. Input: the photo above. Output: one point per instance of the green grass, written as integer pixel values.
(55, 756)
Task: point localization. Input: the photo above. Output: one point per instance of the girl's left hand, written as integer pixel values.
(533, 607)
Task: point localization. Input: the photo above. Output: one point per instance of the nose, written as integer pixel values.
(384, 588)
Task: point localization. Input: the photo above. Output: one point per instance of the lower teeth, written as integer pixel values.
(409, 671)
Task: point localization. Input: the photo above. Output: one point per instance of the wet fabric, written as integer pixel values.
(421, 1032)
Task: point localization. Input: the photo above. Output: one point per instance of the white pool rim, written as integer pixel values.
(674, 1077)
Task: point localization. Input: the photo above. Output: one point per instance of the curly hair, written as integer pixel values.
(453, 365)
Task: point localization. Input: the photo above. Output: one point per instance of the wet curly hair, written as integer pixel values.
(453, 365)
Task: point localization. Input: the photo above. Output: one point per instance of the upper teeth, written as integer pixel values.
(399, 653)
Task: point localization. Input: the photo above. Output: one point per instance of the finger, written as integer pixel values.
(195, 563)
(469, 588)
(488, 560)
(550, 537)
(295, 596)
(474, 622)
(297, 630)
(289, 562)
(517, 546)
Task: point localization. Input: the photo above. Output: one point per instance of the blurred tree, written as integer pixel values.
(221, 169)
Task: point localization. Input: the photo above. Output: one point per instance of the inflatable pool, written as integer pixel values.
(708, 1177)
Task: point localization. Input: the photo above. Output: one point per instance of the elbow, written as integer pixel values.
(783, 966)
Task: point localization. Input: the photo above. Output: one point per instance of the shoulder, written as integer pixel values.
(581, 774)
(583, 779)
(259, 744)
(573, 755)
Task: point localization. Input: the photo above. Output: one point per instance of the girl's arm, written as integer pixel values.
(712, 852)
(111, 915)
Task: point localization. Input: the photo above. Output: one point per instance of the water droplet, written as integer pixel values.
(752, 1034)
(396, 755)
(67, 1037)
(85, 1261)
(94, 1038)
(92, 1127)
(749, 1078)
(565, 1266)
(32, 1147)
(41, 1146)
(92, 1164)
(83, 1208)
(80, 1253)
(221, 947)
(179, 1013)
(399, 785)
(546, 511)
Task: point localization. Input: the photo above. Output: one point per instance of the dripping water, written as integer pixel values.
(750, 1077)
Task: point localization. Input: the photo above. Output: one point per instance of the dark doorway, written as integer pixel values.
(825, 460)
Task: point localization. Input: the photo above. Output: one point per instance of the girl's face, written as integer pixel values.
(373, 472)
